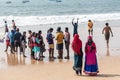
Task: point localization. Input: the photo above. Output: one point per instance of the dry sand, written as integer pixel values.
(15, 67)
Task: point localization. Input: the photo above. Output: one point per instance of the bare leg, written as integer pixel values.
(107, 43)
(89, 32)
(50, 53)
(92, 32)
(6, 48)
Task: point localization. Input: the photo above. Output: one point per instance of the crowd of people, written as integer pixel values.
(14, 40)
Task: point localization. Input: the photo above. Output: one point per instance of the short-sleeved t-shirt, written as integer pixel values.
(50, 38)
(90, 25)
(59, 37)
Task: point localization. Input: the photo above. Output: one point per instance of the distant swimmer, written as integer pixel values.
(90, 27)
(106, 31)
(75, 26)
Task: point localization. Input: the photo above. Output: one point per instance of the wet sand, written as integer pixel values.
(14, 66)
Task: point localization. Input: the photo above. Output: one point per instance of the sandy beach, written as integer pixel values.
(14, 66)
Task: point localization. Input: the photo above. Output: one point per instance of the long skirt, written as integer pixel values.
(78, 62)
(91, 69)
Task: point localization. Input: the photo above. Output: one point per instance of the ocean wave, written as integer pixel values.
(38, 20)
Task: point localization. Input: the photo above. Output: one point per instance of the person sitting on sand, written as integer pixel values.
(75, 25)
(78, 54)
(107, 31)
(90, 27)
(91, 66)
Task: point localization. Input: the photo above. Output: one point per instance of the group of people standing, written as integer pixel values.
(90, 64)
(15, 39)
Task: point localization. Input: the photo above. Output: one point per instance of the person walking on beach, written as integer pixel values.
(59, 38)
(67, 42)
(106, 31)
(75, 27)
(90, 27)
(91, 66)
(50, 41)
(78, 54)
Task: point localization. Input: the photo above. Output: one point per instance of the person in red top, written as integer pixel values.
(78, 54)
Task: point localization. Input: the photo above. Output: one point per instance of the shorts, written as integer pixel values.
(107, 36)
(17, 44)
(90, 30)
(51, 46)
(60, 46)
(67, 45)
(7, 42)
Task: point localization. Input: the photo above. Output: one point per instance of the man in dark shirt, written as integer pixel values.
(50, 41)
(75, 25)
(17, 37)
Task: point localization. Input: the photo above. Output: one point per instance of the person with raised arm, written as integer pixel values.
(75, 26)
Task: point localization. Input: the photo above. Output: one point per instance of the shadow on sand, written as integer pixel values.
(104, 75)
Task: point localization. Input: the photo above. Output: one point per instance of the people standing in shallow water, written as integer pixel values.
(67, 42)
(59, 38)
(78, 54)
(90, 27)
(75, 27)
(106, 31)
(91, 66)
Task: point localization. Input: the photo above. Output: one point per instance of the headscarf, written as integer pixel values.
(91, 45)
(76, 44)
(90, 40)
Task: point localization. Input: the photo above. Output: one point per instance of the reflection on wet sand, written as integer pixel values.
(108, 52)
(10, 59)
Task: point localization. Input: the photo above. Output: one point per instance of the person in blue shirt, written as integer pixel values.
(75, 26)
(12, 41)
(50, 41)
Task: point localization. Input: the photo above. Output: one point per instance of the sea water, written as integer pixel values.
(36, 12)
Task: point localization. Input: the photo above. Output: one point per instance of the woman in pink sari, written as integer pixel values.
(91, 66)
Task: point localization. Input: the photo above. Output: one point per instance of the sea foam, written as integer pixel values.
(38, 20)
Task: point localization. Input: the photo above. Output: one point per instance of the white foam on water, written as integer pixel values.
(38, 20)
